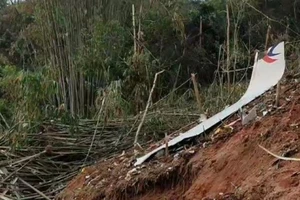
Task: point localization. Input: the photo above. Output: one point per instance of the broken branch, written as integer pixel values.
(277, 94)
(279, 157)
(33, 188)
(146, 110)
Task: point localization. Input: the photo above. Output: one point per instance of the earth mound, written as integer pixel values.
(232, 165)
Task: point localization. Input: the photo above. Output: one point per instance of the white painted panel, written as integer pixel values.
(266, 73)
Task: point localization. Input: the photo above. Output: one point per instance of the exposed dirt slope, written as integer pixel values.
(230, 167)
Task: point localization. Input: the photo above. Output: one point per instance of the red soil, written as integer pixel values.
(234, 167)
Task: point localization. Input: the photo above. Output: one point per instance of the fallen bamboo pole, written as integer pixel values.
(146, 110)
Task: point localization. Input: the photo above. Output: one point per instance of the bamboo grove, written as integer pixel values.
(59, 59)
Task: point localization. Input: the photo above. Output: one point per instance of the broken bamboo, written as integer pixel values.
(146, 110)
(196, 90)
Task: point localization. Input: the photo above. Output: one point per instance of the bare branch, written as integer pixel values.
(279, 157)
(147, 107)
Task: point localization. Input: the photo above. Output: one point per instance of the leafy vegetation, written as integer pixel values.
(61, 58)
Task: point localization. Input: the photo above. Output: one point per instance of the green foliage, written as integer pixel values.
(105, 51)
(28, 94)
(3, 4)
(16, 43)
(58, 54)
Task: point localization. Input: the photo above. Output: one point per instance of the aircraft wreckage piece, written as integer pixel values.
(266, 73)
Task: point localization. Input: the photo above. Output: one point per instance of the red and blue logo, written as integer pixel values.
(269, 57)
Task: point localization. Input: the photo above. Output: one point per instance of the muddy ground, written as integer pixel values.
(232, 166)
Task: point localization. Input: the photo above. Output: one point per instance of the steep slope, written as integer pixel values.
(232, 166)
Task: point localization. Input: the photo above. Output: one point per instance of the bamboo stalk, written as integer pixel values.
(196, 90)
(267, 38)
(95, 131)
(277, 97)
(140, 23)
(235, 47)
(146, 110)
(228, 44)
(200, 32)
(33, 188)
(134, 29)
(166, 143)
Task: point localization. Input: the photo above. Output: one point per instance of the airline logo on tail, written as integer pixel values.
(269, 57)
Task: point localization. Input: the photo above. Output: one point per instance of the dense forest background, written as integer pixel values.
(59, 59)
